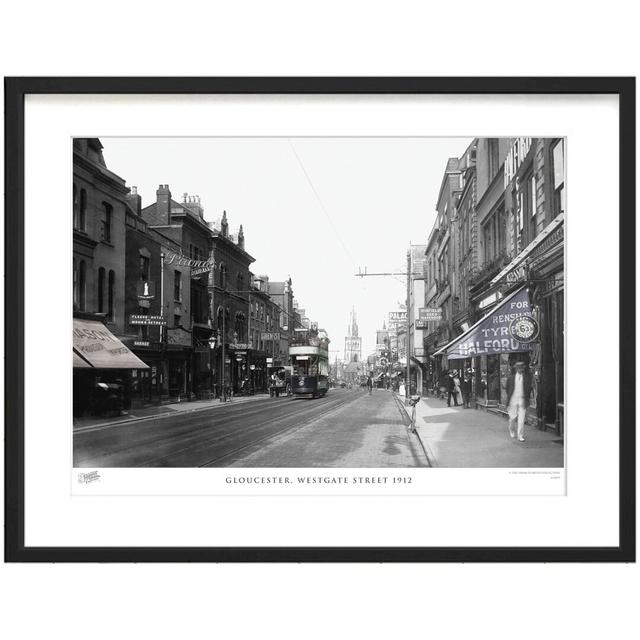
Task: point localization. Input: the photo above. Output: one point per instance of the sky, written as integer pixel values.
(316, 209)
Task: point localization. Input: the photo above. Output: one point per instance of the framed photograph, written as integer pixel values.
(320, 319)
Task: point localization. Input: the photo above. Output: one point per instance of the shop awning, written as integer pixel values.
(490, 335)
(94, 344)
(79, 362)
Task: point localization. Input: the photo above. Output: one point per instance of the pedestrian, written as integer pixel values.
(519, 385)
(450, 386)
(466, 389)
(456, 388)
(369, 384)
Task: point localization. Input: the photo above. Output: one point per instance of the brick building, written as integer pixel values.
(102, 365)
(508, 228)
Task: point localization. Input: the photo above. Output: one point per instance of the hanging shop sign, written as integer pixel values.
(146, 290)
(265, 335)
(494, 334)
(239, 345)
(422, 324)
(524, 329)
(146, 320)
(430, 314)
(397, 316)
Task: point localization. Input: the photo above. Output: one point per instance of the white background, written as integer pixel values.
(54, 517)
(321, 601)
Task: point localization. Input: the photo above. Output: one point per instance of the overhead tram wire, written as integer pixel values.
(320, 203)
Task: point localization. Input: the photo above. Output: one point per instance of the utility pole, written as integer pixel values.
(408, 273)
(407, 384)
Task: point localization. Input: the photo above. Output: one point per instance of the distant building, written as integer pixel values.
(352, 341)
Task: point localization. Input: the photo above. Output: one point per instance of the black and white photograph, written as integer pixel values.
(318, 302)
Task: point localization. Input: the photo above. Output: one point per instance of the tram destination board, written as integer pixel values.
(147, 320)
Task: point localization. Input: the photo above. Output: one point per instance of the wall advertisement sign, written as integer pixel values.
(494, 333)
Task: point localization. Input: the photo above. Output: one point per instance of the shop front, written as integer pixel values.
(178, 364)
(146, 384)
(487, 351)
(258, 370)
(103, 370)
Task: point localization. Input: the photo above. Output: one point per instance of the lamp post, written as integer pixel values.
(223, 395)
(212, 346)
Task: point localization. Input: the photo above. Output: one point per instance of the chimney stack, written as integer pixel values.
(135, 201)
(163, 203)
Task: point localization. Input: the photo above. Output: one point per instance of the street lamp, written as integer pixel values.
(212, 346)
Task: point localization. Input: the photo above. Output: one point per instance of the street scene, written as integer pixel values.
(341, 303)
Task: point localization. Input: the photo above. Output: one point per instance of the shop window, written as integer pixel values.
(493, 378)
(101, 281)
(558, 178)
(111, 296)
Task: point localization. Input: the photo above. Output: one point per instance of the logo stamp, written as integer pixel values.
(524, 329)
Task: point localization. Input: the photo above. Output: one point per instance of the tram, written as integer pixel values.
(309, 360)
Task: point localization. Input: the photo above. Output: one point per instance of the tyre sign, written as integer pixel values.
(524, 329)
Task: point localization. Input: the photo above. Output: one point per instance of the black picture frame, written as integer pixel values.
(15, 91)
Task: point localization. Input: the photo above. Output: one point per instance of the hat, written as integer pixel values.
(519, 364)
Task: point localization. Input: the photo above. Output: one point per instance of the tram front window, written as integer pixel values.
(306, 367)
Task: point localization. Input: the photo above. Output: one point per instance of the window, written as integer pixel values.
(144, 268)
(106, 221)
(101, 282)
(82, 286)
(111, 295)
(76, 210)
(82, 217)
(493, 157)
(177, 320)
(240, 282)
(558, 178)
(76, 285)
(527, 210)
(177, 286)
(494, 235)
(223, 276)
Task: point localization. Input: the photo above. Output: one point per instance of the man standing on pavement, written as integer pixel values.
(369, 384)
(451, 389)
(519, 385)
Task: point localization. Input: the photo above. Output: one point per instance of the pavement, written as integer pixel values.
(157, 411)
(459, 437)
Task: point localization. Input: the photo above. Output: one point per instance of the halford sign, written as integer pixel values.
(492, 335)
